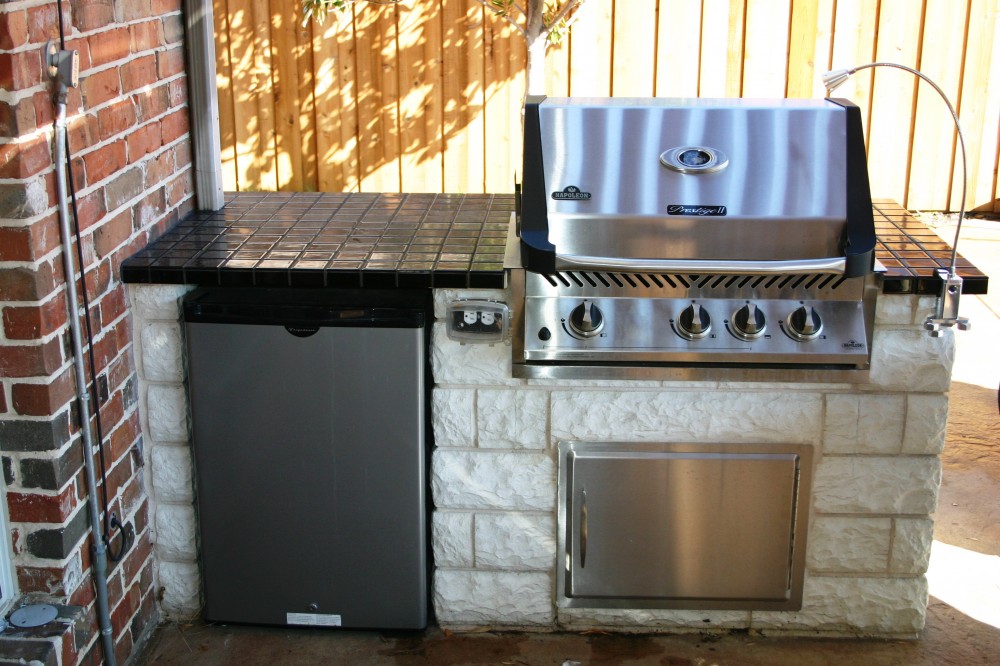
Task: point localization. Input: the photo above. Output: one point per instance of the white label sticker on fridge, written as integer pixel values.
(313, 619)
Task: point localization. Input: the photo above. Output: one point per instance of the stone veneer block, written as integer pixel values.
(451, 538)
(926, 423)
(173, 473)
(469, 364)
(493, 598)
(687, 416)
(158, 301)
(911, 545)
(849, 544)
(642, 620)
(168, 412)
(452, 414)
(176, 527)
(613, 384)
(874, 484)
(515, 541)
(512, 419)
(181, 586)
(868, 423)
(926, 307)
(162, 352)
(894, 309)
(487, 480)
(854, 606)
(912, 360)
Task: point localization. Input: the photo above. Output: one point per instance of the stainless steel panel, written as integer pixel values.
(694, 372)
(640, 313)
(787, 158)
(683, 526)
(645, 330)
(830, 265)
(780, 197)
(310, 460)
(724, 240)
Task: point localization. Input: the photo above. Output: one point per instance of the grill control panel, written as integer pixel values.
(765, 324)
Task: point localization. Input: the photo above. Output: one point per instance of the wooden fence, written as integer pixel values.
(425, 96)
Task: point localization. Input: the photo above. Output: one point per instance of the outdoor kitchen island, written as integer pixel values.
(874, 441)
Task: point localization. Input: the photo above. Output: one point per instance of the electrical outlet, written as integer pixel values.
(477, 321)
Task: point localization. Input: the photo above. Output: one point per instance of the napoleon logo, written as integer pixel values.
(853, 344)
(680, 209)
(571, 193)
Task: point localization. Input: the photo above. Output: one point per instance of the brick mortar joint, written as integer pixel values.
(126, 94)
(138, 164)
(145, 192)
(26, 138)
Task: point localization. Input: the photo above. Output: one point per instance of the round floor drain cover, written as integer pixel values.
(33, 616)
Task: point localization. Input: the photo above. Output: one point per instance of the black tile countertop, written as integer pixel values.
(302, 239)
(911, 253)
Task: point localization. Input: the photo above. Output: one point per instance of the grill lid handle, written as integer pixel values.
(831, 265)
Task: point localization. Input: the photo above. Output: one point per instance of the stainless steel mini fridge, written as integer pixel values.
(309, 430)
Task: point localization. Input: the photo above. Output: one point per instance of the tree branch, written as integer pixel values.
(570, 8)
(512, 21)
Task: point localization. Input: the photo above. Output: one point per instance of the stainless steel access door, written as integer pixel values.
(683, 526)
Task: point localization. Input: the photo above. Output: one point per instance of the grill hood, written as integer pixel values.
(695, 185)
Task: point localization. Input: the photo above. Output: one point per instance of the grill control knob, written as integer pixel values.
(586, 320)
(694, 322)
(749, 322)
(805, 323)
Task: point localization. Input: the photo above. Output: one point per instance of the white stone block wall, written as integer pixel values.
(875, 483)
(494, 474)
(164, 415)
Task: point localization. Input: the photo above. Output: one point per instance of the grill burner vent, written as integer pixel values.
(672, 285)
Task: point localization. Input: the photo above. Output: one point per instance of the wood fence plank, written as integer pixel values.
(765, 56)
(854, 44)
(245, 121)
(590, 50)
(715, 45)
(335, 94)
(557, 70)
(893, 99)
(634, 48)
(736, 53)
(501, 104)
(517, 55)
(678, 48)
(979, 108)
(226, 90)
(934, 136)
(263, 95)
(378, 89)
(305, 69)
(809, 47)
(462, 27)
(285, 88)
(420, 101)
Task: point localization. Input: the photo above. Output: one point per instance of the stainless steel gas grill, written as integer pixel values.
(673, 237)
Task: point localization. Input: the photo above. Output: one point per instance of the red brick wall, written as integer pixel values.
(131, 166)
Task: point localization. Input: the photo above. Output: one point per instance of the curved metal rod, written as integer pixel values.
(834, 79)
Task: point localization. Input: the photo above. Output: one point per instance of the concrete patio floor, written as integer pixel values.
(963, 617)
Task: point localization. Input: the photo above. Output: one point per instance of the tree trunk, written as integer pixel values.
(536, 48)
